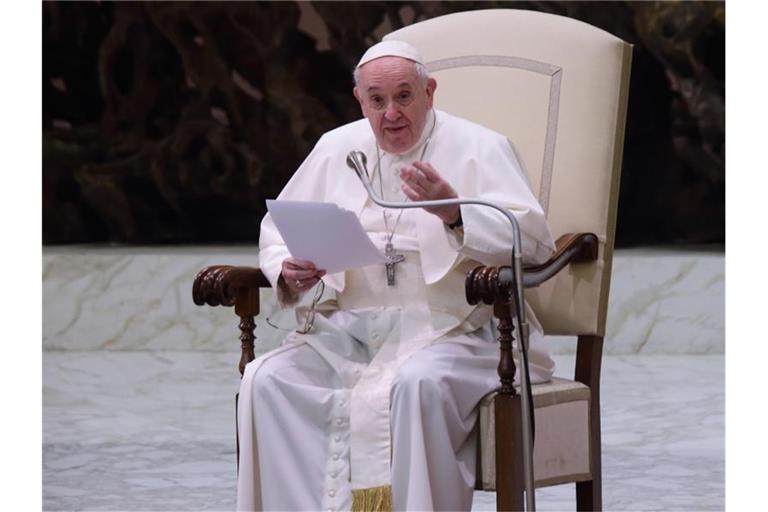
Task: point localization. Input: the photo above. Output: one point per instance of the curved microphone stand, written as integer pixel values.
(356, 160)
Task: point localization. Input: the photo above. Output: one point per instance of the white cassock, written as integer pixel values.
(379, 400)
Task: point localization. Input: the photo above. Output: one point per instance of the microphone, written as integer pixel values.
(357, 160)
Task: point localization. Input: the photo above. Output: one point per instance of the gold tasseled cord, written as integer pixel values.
(372, 499)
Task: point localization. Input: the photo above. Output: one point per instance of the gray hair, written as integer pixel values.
(421, 71)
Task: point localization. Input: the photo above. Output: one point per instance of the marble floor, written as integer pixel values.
(154, 431)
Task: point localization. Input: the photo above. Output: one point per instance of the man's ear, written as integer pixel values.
(431, 87)
(359, 98)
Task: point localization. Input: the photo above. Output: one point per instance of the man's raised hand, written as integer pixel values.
(422, 182)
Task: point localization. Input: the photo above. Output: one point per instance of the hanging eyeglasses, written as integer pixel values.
(309, 320)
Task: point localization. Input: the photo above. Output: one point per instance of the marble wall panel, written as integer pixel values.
(141, 299)
(663, 302)
(670, 302)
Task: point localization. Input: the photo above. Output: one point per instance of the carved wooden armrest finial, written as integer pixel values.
(218, 285)
(226, 285)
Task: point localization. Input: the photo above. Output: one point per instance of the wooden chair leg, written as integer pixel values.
(588, 495)
(589, 352)
(509, 453)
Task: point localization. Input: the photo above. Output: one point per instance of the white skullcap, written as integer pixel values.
(390, 48)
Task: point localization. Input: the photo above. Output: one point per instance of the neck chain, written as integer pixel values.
(384, 214)
(389, 251)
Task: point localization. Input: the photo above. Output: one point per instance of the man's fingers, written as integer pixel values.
(418, 182)
(419, 188)
(301, 275)
(413, 175)
(302, 284)
(411, 193)
(428, 171)
(297, 264)
(300, 269)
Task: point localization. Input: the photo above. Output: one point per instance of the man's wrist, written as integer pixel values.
(457, 223)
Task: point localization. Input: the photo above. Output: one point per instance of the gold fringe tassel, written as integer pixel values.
(372, 499)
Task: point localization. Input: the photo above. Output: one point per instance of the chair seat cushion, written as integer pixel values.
(561, 448)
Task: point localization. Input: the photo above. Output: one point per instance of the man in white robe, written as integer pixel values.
(374, 407)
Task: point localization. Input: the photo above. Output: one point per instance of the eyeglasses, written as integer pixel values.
(309, 321)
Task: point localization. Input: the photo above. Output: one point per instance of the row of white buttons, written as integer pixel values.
(338, 448)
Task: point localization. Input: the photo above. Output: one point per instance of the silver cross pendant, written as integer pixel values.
(392, 259)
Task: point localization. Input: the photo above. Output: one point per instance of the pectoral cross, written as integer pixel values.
(392, 259)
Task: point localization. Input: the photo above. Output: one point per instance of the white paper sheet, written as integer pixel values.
(325, 234)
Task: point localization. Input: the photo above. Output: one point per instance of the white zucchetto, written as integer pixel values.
(390, 48)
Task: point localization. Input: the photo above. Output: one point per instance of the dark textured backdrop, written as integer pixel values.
(172, 122)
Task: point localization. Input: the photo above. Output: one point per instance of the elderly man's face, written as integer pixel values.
(395, 101)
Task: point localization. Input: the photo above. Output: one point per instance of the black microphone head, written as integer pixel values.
(351, 161)
(357, 160)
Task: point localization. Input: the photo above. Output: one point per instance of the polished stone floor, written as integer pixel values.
(154, 431)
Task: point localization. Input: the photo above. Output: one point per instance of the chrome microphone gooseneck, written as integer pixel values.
(356, 160)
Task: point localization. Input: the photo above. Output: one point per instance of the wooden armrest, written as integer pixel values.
(219, 285)
(569, 248)
(491, 284)
(225, 285)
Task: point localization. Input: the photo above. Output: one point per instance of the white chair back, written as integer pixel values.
(557, 87)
